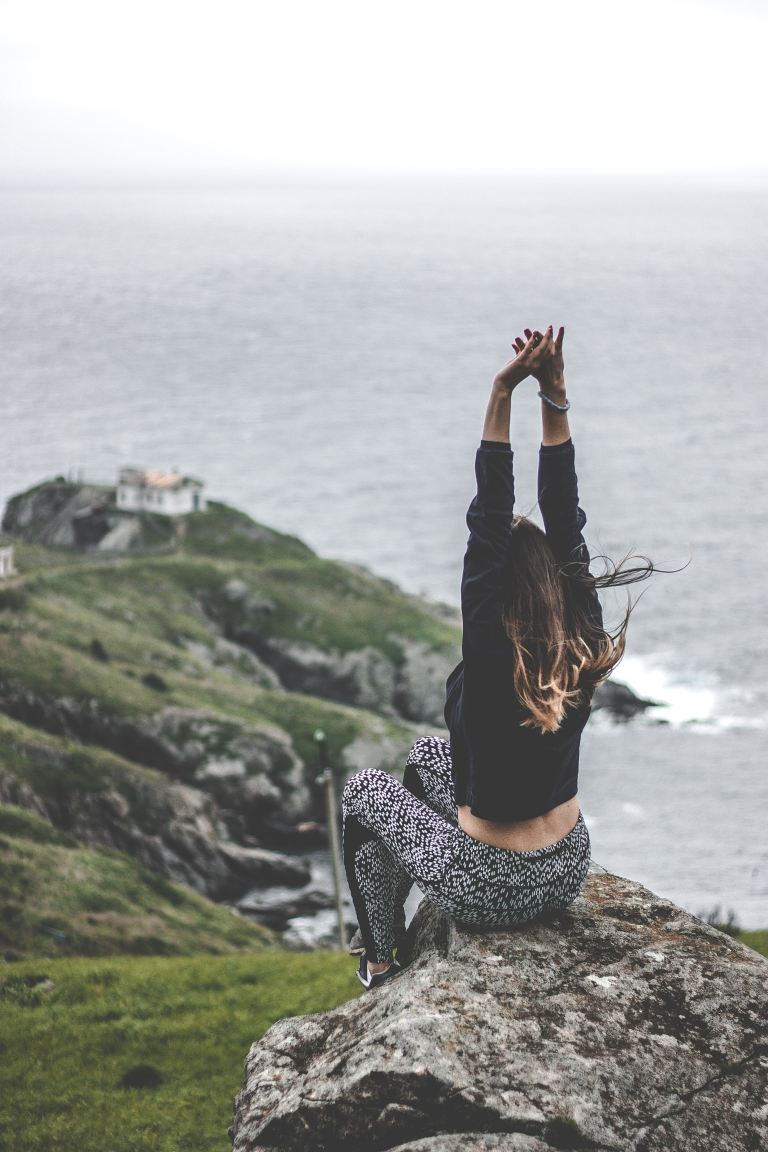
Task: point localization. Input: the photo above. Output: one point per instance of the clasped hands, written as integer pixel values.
(539, 355)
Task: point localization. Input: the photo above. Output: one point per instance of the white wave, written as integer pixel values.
(685, 698)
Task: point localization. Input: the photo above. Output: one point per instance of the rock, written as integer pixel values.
(238, 661)
(123, 537)
(185, 743)
(380, 747)
(619, 1023)
(364, 677)
(420, 689)
(251, 603)
(252, 770)
(49, 513)
(315, 930)
(171, 828)
(620, 701)
(63, 514)
(88, 720)
(276, 906)
(412, 690)
(259, 866)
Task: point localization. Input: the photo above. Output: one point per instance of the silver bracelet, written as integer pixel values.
(552, 404)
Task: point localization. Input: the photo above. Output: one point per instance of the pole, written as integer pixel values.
(326, 778)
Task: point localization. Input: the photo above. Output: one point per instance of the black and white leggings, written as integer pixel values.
(397, 834)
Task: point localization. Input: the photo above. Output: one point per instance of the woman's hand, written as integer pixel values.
(541, 355)
(522, 365)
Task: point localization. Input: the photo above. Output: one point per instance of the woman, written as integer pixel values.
(489, 826)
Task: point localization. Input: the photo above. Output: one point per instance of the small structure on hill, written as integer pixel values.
(168, 493)
(6, 561)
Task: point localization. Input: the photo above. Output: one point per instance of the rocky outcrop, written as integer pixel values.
(171, 828)
(620, 1023)
(252, 770)
(60, 513)
(239, 662)
(411, 689)
(53, 513)
(364, 677)
(620, 702)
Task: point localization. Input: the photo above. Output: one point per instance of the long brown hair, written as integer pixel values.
(561, 650)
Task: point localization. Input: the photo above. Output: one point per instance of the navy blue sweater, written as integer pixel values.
(503, 771)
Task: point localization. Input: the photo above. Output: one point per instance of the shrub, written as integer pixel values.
(13, 599)
(714, 917)
(98, 651)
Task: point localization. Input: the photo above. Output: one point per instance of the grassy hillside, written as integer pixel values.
(59, 898)
(95, 648)
(78, 1033)
(161, 615)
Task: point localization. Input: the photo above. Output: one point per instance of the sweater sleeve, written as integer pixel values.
(488, 519)
(563, 518)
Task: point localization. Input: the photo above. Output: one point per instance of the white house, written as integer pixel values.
(168, 493)
(6, 561)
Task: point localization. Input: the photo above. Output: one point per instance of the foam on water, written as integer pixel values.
(685, 698)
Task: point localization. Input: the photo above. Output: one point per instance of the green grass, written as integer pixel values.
(63, 772)
(141, 616)
(333, 607)
(60, 898)
(162, 599)
(756, 940)
(55, 768)
(223, 531)
(72, 1029)
(143, 611)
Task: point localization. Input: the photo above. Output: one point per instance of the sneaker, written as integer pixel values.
(370, 982)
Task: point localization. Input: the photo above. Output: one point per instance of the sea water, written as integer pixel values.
(319, 353)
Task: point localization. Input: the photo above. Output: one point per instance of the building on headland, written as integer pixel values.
(168, 493)
(6, 561)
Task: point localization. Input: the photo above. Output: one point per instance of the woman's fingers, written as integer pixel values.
(529, 342)
(542, 343)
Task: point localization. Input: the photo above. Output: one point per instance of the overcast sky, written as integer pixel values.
(221, 87)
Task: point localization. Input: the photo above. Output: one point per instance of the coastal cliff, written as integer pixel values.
(621, 1024)
(159, 695)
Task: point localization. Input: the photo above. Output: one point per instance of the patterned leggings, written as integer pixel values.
(397, 834)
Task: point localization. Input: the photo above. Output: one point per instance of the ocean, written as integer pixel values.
(319, 351)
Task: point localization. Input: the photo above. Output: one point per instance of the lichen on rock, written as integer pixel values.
(619, 1023)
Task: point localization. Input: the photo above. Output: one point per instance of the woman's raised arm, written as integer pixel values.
(496, 426)
(548, 369)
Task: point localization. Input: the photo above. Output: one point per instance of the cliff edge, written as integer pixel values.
(619, 1023)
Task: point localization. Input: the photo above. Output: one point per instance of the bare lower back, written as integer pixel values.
(523, 835)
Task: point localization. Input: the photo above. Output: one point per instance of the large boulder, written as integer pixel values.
(619, 1023)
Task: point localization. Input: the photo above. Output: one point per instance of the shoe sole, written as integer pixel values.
(375, 981)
